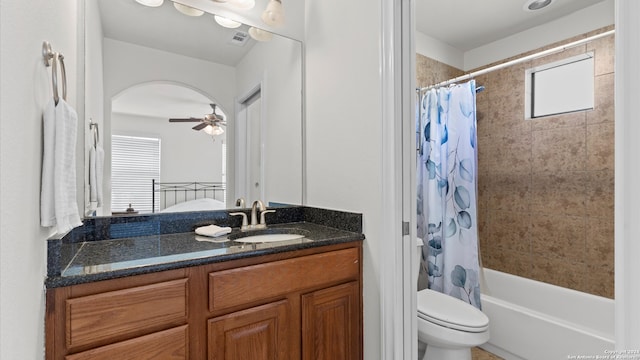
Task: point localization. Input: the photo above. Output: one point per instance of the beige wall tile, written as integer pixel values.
(600, 241)
(561, 149)
(559, 272)
(509, 191)
(600, 193)
(600, 280)
(562, 237)
(559, 193)
(509, 261)
(509, 230)
(604, 49)
(603, 100)
(600, 146)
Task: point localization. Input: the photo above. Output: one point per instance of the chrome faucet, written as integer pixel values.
(256, 208)
(259, 208)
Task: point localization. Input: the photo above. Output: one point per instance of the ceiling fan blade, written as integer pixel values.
(200, 126)
(185, 120)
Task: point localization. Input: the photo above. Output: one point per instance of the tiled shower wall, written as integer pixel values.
(546, 186)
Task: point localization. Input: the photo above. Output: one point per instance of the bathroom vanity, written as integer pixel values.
(188, 298)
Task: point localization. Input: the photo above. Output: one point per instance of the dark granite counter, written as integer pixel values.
(84, 258)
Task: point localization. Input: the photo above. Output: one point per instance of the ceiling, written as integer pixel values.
(468, 24)
(165, 28)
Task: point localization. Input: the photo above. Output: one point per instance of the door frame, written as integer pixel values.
(397, 262)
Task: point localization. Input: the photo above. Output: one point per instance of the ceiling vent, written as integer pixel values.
(239, 38)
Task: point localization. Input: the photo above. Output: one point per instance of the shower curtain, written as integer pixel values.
(447, 183)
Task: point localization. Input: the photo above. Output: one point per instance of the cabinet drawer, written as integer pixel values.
(120, 314)
(248, 284)
(169, 344)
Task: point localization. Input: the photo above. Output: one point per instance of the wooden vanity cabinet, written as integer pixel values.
(304, 304)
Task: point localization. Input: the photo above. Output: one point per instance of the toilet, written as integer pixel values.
(448, 326)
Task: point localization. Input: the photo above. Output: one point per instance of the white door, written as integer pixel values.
(255, 179)
(249, 149)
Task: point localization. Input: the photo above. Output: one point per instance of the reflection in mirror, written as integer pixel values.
(152, 77)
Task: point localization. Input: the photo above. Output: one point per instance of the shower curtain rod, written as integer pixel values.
(517, 61)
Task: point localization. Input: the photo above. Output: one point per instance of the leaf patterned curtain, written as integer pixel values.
(447, 183)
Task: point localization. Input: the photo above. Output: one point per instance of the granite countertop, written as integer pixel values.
(89, 261)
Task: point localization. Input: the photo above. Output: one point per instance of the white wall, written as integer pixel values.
(185, 154)
(343, 129)
(437, 50)
(24, 90)
(277, 64)
(127, 65)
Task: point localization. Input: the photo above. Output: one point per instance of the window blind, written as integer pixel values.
(135, 162)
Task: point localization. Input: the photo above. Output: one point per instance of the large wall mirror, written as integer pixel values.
(185, 114)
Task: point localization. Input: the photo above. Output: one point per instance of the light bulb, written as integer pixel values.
(151, 3)
(213, 130)
(259, 34)
(228, 23)
(217, 130)
(273, 15)
(188, 10)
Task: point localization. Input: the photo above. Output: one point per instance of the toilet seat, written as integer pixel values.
(447, 311)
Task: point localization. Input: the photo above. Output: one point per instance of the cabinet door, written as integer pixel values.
(259, 333)
(331, 323)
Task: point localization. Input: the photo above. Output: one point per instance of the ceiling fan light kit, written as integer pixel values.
(210, 123)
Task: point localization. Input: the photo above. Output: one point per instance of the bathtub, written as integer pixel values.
(532, 320)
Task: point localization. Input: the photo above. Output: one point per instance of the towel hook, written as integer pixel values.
(54, 57)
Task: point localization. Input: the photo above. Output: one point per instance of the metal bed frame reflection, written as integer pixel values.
(172, 193)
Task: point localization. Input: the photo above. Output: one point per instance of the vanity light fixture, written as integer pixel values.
(273, 15)
(224, 22)
(259, 34)
(239, 4)
(151, 3)
(243, 4)
(188, 10)
(533, 5)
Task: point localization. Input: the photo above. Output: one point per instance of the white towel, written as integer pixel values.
(212, 230)
(58, 206)
(96, 166)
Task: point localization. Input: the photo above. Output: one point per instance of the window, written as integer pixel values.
(560, 87)
(135, 162)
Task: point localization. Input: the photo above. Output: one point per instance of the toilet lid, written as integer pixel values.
(450, 312)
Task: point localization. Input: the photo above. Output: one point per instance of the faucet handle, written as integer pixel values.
(245, 223)
(240, 202)
(262, 213)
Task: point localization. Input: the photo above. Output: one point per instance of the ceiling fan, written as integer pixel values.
(211, 123)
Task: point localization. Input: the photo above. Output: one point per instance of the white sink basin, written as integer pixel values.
(268, 238)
